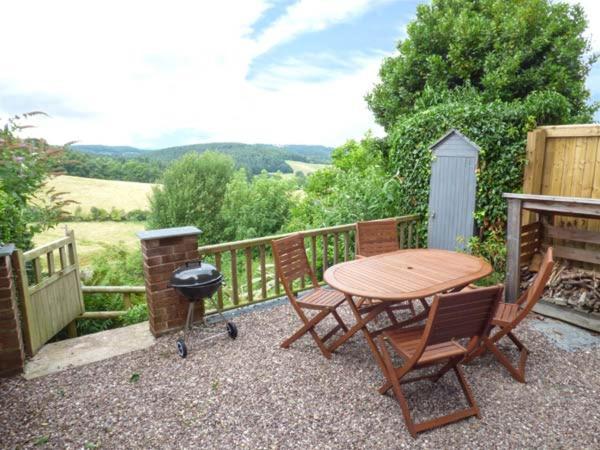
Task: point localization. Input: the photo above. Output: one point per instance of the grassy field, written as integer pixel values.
(306, 168)
(88, 192)
(94, 236)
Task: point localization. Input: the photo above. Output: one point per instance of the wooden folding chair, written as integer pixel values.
(509, 315)
(292, 264)
(461, 315)
(374, 238)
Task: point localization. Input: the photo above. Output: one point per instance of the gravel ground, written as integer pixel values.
(249, 393)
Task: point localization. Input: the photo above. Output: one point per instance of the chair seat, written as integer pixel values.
(322, 298)
(406, 342)
(506, 313)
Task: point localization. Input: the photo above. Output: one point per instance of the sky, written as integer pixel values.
(153, 74)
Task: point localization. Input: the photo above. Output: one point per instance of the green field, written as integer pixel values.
(105, 194)
(306, 168)
(94, 236)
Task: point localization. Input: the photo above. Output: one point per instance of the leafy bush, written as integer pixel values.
(114, 266)
(492, 248)
(25, 165)
(255, 208)
(498, 128)
(355, 187)
(192, 194)
(101, 215)
(136, 314)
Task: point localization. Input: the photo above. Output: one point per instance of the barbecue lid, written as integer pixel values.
(194, 274)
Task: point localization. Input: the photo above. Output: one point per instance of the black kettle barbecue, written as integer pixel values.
(198, 281)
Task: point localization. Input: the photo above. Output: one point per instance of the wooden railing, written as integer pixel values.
(125, 291)
(248, 266)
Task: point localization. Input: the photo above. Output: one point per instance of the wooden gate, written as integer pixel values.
(452, 192)
(50, 290)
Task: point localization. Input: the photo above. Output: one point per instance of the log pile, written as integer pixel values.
(569, 286)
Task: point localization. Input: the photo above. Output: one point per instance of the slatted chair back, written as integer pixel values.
(460, 315)
(291, 262)
(376, 237)
(535, 291)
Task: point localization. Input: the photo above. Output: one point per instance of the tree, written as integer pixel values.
(25, 164)
(356, 187)
(192, 193)
(255, 208)
(505, 49)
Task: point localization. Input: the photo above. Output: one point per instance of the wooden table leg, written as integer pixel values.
(373, 313)
(362, 323)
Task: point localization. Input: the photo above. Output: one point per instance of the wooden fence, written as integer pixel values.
(52, 294)
(565, 161)
(248, 283)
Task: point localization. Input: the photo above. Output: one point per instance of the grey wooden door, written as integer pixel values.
(452, 192)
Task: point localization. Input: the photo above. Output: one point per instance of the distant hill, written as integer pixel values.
(110, 150)
(304, 153)
(135, 164)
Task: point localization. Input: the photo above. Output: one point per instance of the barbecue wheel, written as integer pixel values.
(231, 330)
(181, 348)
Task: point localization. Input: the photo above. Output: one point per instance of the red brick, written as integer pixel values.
(159, 251)
(5, 282)
(178, 258)
(6, 293)
(182, 248)
(192, 255)
(6, 303)
(150, 243)
(8, 322)
(156, 286)
(11, 360)
(153, 261)
(9, 341)
(170, 242)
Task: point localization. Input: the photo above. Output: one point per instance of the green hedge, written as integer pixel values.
(498, 128)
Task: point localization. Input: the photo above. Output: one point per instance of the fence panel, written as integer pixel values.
(565, 161)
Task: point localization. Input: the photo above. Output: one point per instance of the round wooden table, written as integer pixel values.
(398, 276)
(406, 274)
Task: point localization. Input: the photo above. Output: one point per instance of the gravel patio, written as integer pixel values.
(251, 394)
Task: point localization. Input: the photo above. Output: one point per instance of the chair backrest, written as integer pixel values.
(376, 237)
(291, 262)
(464, 314)
(531, 296)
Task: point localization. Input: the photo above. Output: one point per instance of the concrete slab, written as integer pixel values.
(79, 351)
(565, 336)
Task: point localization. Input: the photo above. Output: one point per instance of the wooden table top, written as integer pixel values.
(406, 274)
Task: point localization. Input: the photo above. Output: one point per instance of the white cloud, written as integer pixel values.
(133, 72)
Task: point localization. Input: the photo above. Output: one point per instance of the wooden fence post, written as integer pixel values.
(513, 250)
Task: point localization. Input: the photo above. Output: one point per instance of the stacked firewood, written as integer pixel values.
(570, 286)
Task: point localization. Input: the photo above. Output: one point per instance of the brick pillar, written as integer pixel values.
(12, 353)
(163, 251)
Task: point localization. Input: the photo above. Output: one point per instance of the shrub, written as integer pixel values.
(25, 164)
(192, 194)
(500, 130)
(113, 266)
(256, 208)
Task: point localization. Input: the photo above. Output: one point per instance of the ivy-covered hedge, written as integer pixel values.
(498, 128)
